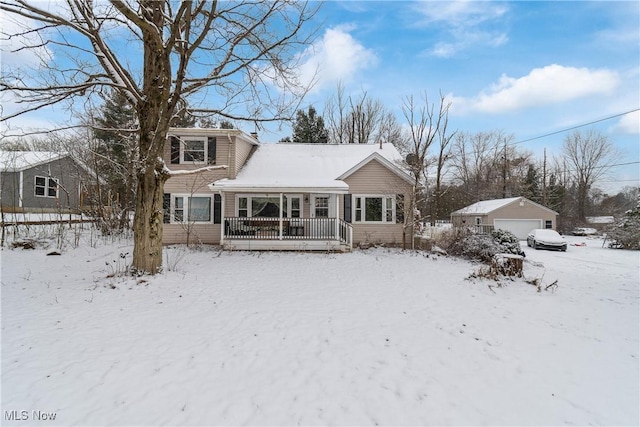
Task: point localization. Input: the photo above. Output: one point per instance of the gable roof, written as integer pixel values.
(16, 161)
(485, 207)
(303, 167)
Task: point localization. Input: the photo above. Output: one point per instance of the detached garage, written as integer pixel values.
(516, 214)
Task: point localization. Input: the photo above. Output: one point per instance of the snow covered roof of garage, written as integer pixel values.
(485, 207)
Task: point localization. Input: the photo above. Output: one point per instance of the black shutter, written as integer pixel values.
(347, 207)
(211, 149)
(175, 150)
(217, 209)
(400, 208)
(166, 208)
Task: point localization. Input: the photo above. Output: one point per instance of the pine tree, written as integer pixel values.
(309, 127)
(114, 130)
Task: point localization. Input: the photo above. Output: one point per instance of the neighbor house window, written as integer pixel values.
(46, 187)
(191, 208)
(548, 224)
(374, 209)
(478, 220)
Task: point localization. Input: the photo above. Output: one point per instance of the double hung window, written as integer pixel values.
(191, 209)
(194, 150)
(268, 206)
(46, 187)
(374, 209)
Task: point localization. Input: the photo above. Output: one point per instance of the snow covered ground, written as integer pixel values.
(376, 337)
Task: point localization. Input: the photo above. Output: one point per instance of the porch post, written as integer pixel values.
(336, 228)
(222, 209)
(280, 233)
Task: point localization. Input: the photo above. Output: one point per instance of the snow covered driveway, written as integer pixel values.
(371, 337)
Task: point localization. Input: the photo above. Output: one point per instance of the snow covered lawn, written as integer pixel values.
(371, 337)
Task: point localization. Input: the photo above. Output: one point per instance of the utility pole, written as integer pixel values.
(504, 171)
(544, 178)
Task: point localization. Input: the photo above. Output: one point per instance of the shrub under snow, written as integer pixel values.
(626, 233)
(483, 247)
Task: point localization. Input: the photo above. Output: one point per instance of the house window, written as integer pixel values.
(193, 150)
(374, 209)
(191, 208)
(548, 224)
(243, 210)
(292, 207)
(260, 205)
(478, 220)
(46, 187)
(322, 206)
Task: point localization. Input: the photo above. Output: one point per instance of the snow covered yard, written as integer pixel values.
(371, 337)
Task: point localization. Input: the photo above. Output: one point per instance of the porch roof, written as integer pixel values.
(292, 167)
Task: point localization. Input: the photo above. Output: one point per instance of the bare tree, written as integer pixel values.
(358, 120)
(427, 122)
(444, 140)
(233, 52)
(589, 155)
(488, 165)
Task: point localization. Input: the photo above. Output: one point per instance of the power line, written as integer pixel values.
(575, 127)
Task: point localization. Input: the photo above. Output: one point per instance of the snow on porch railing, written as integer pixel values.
(266, 228)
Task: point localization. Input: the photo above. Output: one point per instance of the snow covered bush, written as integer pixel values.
(483, 247)
(626, 233)
(508, 241)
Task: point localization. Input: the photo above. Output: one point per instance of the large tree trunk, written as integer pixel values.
(147, 249)
(154, 115)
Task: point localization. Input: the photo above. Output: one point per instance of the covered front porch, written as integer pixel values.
(284, 221)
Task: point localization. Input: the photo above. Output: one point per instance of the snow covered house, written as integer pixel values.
(516, 214)
(42, 181)
(257, 196)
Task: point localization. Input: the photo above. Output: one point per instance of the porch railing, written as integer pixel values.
(266, 228)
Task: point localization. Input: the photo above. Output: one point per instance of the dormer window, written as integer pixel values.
(193, 150)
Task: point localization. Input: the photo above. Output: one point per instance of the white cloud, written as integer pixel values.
(629, 123)
(16, 34)
(459, 13)
(542, 86)
(463, 21)
(336, 57)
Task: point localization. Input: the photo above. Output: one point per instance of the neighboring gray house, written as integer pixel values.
(516, 214)
(41, 181)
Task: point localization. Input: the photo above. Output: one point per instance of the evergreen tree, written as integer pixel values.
(531, 185)
(114, 131)
(309, 127)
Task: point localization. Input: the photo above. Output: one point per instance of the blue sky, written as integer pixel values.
(525, 68)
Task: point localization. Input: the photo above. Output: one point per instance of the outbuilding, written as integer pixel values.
(516, 214)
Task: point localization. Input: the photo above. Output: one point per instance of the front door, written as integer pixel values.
(321, 211)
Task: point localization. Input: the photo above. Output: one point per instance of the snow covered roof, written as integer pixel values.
(302, 167)
(487, 206)
(16, 161)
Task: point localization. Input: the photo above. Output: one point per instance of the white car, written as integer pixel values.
(546, 239)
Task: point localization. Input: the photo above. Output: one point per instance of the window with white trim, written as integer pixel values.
(46, 187)
(191, 209)
(264, 205)
(374, 208)
(193, 150)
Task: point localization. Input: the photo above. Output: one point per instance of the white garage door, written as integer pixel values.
(519, 227)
